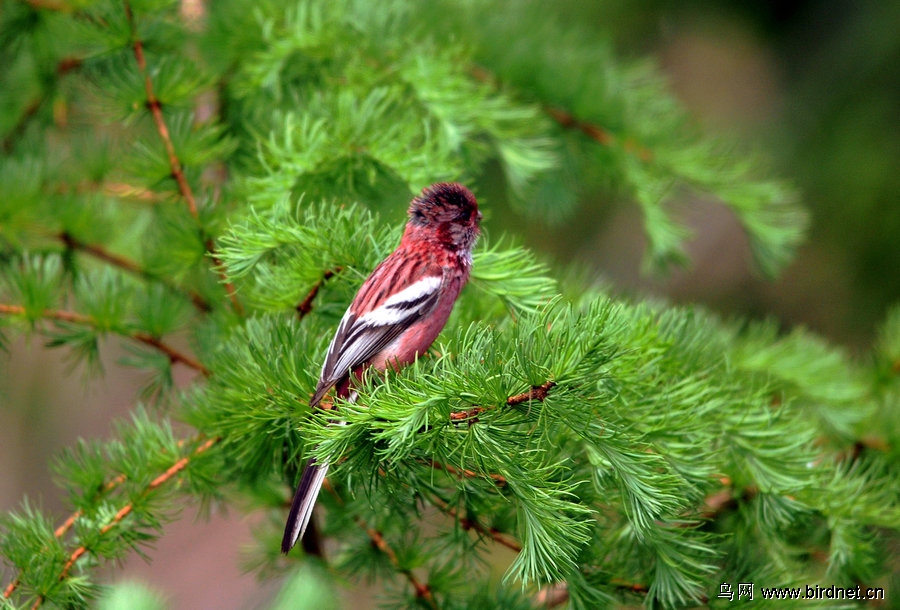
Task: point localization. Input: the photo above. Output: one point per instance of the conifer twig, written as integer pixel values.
(66, 525)
(174, 355)
(567, 120)
(500, 480)
(177, 168)
(60, 531)
(423, 591)
(126, 510)
(305, 306)
(472, 524)
(537, 393)
(155, 108)
(116, 260)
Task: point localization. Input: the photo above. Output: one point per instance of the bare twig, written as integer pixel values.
(174, 355)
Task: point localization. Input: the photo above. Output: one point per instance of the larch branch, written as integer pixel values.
(305, 306)
(500, 480)
(123, 512)
(472, 524)
(423, 591)
(535, 393)
(174, 355)
(175, 165)
(567, 120)
(155, 108)
(126, 264)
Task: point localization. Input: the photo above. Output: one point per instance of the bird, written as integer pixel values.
(397, 313)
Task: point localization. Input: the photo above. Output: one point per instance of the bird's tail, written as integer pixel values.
(304, 501)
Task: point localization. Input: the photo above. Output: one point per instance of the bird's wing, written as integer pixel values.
(360, 337)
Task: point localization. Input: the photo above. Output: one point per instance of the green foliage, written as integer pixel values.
(650, 150)
(213, 193)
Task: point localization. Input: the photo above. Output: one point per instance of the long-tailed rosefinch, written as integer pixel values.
(397, 313)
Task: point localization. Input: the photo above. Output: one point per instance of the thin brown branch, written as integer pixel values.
(60, 531)
(634, 587)
(552, 596)
(557, 594)
(567, 120)
(174, 355)
(500, 480)
(99, 252)
(472, 524)
(154, 105)
(468, 415)
(68, 523)
(126, 510)
(536, 393)
(600, 135)
(423, 591)
(305, 306)
(155, 108)
(10, 588)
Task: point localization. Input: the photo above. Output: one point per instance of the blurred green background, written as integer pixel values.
(814, 85)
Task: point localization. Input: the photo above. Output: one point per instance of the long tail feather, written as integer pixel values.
(304, 501)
